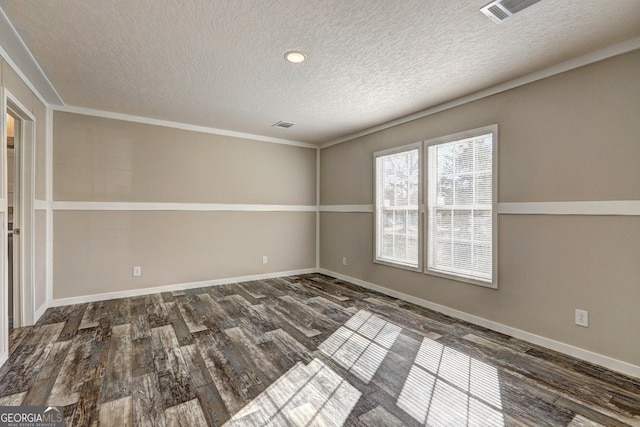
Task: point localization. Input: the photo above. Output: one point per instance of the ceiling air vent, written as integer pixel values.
(501, 10)
(282, 124)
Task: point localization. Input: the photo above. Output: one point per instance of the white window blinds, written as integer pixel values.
(397, 198)
(460, 208)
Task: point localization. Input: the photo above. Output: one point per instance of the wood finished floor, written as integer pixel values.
(302, 350)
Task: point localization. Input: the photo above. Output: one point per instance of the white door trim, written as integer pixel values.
(27, 220)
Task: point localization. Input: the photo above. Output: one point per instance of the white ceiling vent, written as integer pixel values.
(502, 10)
(282, 124)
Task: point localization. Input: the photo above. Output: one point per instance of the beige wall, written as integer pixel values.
(40, 112)
(97, 159)
(10, 80)
(95, 251)
(40, 255)
(106, 160)
(571, 137)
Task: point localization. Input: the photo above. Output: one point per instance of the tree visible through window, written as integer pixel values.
(397, 198)
(457, 206)
(460, 207)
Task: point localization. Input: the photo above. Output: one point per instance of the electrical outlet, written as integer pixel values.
(582, 318)
(265, 259)
(344, 260)
(137, 271)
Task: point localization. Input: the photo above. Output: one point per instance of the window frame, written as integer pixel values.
(493, 130)
(396, 150)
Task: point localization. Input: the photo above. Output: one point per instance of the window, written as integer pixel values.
(460, 207)
(397, 199)
(460, 218)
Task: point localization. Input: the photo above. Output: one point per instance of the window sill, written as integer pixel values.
(469, 280)
(398, 265)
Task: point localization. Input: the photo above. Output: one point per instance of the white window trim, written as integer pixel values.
(493, 129)
(421, 258)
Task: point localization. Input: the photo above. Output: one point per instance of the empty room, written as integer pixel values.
(305, 213)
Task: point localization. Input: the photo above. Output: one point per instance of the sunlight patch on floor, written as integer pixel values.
(361, 344)
(447, 387)
(305, 395)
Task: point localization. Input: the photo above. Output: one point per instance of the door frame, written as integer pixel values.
(10, 103)
(15, 282)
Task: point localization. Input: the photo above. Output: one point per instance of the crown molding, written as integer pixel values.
(18, 56)
(178, 125)
(571, 64)
(16, 53)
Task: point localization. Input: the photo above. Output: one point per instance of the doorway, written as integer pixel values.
(17, 200)
(14, 127)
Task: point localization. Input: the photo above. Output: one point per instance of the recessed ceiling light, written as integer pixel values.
(295, 56)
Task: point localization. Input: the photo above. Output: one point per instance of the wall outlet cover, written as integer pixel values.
(582, 318)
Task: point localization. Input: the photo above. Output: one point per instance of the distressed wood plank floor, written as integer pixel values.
(301, 350)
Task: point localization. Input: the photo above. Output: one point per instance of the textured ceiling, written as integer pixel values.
(220, 63)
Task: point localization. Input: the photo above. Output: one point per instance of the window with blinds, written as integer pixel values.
(460, 207)
(448, 226)
(396, 207)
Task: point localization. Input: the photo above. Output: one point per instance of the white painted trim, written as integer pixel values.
(177, 287)
(318, 208)
(580, 353)
(24, 111)
(40, 205)
(571, 64)
(144, 206)
(33, 64)
(347, 208)
(26, 300)
(49, 214)
(607, 207)
(4, 261)
(40, 311)
(426, 220)
(597, 207)
(178, 125)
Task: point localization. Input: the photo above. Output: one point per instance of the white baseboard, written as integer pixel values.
(579, 353)
(176, 287)
(39, 312)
